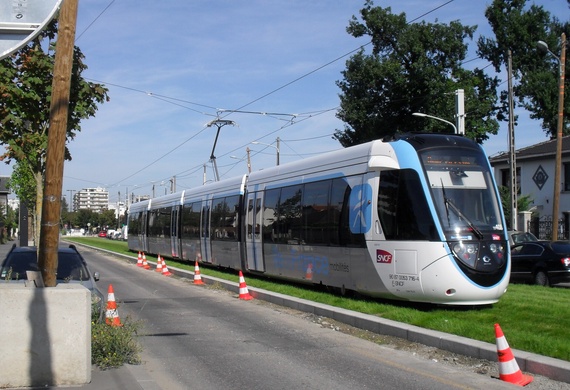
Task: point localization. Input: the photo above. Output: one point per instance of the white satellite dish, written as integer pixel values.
(22, 20)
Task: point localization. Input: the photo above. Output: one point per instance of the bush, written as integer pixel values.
(113, 346)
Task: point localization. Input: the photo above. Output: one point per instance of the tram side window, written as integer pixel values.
(287, 224)
(135, 223)
(224, 218)
(191, 220)
(316, 212)
(340, 209)
(159, 224)
(402, 207)
(270, 228)
(231, 217)
(289, 214)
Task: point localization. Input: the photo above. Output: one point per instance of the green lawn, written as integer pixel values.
(533, 318)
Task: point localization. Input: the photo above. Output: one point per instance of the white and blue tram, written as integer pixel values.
(417, 218)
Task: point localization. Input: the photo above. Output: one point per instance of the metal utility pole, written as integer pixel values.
(512, 152)
(71, 207)
(51, 206)
(248, 151)
(273, 146)
(278, 152)
(460, 111)
(219, 123)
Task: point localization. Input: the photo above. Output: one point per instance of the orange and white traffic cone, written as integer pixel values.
(139, 260)
(145, 263)
(158, 264)
(111, 315)
(309, 273)
(509, 370)
(165, 271)
(197, 276)
(243, 291)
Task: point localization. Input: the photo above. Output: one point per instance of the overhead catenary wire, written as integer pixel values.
(181, 102)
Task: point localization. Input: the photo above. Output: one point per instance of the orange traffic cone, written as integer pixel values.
(112, 316)
(509, 370)
(145, 263)
(309, 273)
(158, 264)
(197, 277)
(165, 271)
(243, 291)
(139, 260)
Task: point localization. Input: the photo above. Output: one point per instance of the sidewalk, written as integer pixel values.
(127, 377)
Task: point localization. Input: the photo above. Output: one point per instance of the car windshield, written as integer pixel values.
(69, 267)
(523, 237)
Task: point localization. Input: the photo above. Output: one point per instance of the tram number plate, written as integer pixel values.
(400, 280)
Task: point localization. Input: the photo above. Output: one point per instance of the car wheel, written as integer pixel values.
(541, 278)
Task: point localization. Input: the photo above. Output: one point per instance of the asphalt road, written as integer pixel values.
(203, 337)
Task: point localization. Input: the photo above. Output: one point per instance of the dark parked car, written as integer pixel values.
(541, 262)
(71, 268)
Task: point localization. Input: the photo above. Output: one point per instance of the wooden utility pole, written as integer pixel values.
(51, 205)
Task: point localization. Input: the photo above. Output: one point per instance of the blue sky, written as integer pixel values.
(172, 66)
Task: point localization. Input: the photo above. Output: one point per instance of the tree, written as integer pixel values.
(518, 28)
(412, 67)
(524, 203)
(25, 97)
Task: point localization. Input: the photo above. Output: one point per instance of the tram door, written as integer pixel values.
(174, 235)
(254, 225)
(205, 244)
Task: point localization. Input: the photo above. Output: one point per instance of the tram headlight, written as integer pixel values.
(458, 248)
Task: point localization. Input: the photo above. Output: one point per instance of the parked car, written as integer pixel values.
(102, 233)
(518, 237)
(541, 262)
(71, 268)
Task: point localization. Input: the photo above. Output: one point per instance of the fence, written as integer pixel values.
(542, 227)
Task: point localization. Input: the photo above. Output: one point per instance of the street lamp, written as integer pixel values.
(558, 164)
(436, 118)
(248, 160)
(273, 146)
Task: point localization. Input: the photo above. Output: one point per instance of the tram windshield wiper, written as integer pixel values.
(449, 204)
(476, 231)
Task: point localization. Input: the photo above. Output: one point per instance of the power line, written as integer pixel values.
(228, 112)
(94, 20)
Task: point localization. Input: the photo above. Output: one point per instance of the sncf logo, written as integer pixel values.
(383, 256)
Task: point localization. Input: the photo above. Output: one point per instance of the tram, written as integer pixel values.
(414, 218)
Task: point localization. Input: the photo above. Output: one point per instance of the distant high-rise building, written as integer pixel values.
(96, 199)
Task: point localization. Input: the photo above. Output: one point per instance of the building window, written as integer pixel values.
(566, 176)
(506, 178)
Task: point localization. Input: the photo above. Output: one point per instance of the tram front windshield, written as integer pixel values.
(463, 192)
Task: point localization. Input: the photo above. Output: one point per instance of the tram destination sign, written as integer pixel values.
(22, 20)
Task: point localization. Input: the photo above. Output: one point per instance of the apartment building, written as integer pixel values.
(96, 199)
